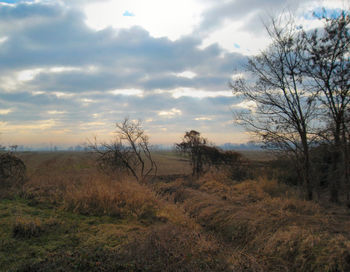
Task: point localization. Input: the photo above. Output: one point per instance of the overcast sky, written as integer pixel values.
(70, 69)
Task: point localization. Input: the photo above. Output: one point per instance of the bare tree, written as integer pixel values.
(130, 151)
(284, 108)
(328, 65)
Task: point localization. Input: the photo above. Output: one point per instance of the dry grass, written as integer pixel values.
(107, 197)
(193, 225)
(266, 224)
(171, 247)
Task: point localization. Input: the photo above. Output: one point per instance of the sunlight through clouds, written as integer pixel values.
(161, 18)
(77, 67)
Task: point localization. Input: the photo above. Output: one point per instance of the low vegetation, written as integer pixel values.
(85, 220)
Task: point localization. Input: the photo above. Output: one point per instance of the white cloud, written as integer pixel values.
(191, 92)
(63, 95)
(161, 18)
(170, 114)
(30, 74)
(237, 76)
(186, 74)
(3, 39)
(60, 69)
(55, 112)
(249, 105)
(27, 75)
(203, 118)
(35, 125)
(5, 111)
(231, 33)
(136, 92)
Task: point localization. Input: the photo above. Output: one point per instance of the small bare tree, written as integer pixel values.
(129, 152)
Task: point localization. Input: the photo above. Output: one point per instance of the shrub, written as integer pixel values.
(12, 171)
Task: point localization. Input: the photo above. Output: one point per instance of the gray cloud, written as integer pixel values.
(125, 57)
(254, 12)
(48, 35)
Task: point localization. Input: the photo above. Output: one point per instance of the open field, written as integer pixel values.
(68, 216)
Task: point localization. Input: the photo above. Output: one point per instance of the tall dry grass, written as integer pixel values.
(267, 226)
(106, 197)
(73, 183)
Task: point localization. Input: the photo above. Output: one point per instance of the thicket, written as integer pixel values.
(203, 157)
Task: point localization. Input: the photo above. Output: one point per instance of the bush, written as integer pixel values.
(12, 171)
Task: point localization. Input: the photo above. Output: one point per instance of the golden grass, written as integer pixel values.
(171, 247)
(107, 197)
(266, 224)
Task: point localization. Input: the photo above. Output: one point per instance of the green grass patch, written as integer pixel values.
(30, 234)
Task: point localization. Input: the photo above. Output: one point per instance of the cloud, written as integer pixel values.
(5, 111)
(240, 10)
(171, 113)
(61, 77)
(60, 60)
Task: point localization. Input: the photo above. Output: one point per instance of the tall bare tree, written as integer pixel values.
(284, 108)
(328, 65)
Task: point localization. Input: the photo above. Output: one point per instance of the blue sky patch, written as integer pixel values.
(321, 12)
(128, 14)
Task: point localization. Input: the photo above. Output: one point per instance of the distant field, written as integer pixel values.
(168, 162)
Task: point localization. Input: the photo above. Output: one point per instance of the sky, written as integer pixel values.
(69, 70)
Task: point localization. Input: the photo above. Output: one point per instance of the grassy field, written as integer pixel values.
(68, 216)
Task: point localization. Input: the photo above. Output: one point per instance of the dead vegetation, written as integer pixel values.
(176, 223)
(267, 225)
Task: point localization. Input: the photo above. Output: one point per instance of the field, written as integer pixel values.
(69, 216)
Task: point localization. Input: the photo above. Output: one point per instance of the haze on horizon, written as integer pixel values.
(70, 69)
